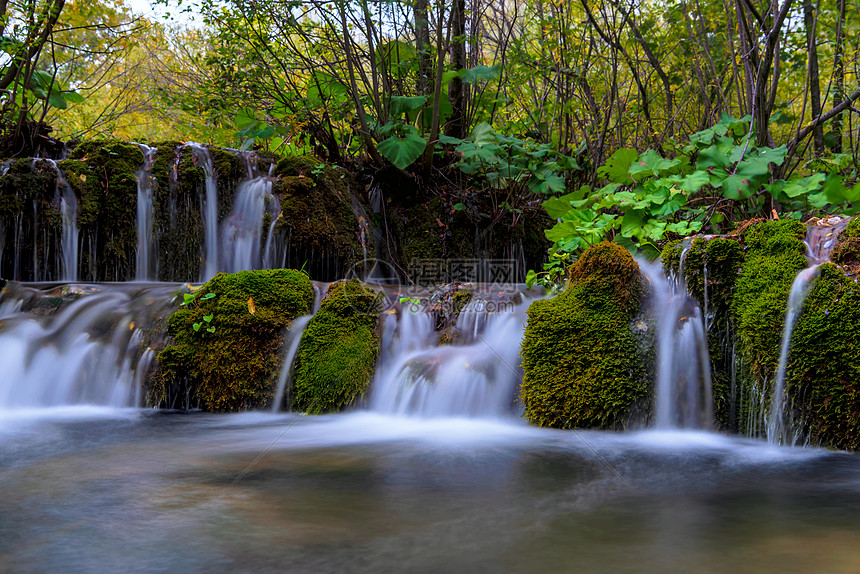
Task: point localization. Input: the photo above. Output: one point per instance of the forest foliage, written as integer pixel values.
(630, 121)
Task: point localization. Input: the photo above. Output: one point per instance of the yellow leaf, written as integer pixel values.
(251, 308)
(83, 178)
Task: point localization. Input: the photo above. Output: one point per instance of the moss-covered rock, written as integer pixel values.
(582, 362)
(102, 173)
(321, 225)
(338, 349)
(236, 366)
(823, 375)
(775, 254)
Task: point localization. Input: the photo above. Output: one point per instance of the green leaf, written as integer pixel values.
(57, 100)
(196, 326)
(651, 164)
(617, 166)
(208, 296)
(484, 134)
(245, 119)
(459, 207)
(695, 181)
(481, 73)
(208, 318)
(804, 185)
(560, 231)
(73, 97)
(400, 105)
(210, 329)
(402, 152)
(448, 140)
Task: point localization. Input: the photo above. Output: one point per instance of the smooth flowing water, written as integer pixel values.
(121, 490)
(242, 231)
(439, 474)
(683, 394)
(210, 209)
(143, 264)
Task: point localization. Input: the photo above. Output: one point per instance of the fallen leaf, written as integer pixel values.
(251, 307)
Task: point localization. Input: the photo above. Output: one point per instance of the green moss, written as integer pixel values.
(102, 172)
(852, 229)
(420, 235)
(823, 375)
(237, 366)
(338, 350)
(775, 254)
(318, 219)
(580, 356)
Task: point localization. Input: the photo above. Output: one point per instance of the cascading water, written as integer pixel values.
(91, 351)
(683, 391)
(243, 229)
(777, 431)
(210, 209)
(144, 271)
(292, 347)
(477, 377)
(69, 211)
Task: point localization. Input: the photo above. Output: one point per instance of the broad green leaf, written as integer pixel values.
(400, 105)
(695, 181)
(57, 100)
(561, 231)
(402, 152)
(73, 97)
(617, 166)
(484, 134)
(651, 164)
(245, 119)
(804, 185)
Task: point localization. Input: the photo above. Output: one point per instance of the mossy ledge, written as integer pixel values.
(338, 350)
(583, 365)
(236, 366)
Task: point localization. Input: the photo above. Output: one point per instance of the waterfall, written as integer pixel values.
(683, 394)
(69, 215)
(477, 377)
(210, 209)
(144, 270)
(292, 347)
(90, 351)
(777, 431)
(242, 230)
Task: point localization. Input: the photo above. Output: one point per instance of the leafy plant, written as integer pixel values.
(717, 177)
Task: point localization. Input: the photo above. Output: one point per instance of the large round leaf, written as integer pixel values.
(402, 152)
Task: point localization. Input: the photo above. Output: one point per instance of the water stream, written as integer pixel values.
(203, 157)
(143, 262)
(683, 393)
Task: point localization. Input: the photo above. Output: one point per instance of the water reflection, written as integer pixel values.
(149, 492)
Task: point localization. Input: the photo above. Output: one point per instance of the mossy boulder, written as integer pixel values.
(823, 374)
(338, 349)
(775, 253)
(583, 364)
(236, 366)
(102, 174)
(323, 226)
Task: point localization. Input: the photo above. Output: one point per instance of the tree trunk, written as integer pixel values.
(456, 126)
(810, 21)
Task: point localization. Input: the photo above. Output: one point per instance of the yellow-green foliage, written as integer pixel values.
(823, 373)
(580, 356)
(237, 366)
(338, 350)
(774, 256)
